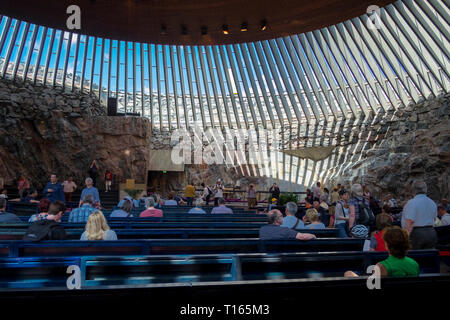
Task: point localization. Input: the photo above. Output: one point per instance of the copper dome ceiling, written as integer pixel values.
(190, 22)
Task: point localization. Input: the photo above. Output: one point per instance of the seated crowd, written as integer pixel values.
(355, 214)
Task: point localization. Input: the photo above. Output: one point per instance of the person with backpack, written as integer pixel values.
(207, 193)
(360, 213)
(48, 228)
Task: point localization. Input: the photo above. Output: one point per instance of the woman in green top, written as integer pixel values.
(397, 264)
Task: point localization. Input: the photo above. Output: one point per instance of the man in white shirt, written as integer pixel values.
(316, 191)
(418, 218)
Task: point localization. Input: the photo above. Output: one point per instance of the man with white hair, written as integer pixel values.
(291, 221)
(274, 230)
(418, 218)
(93, 191)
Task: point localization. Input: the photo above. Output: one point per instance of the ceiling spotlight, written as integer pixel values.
(203, 30)
(163, 29)
(225, 29)
(263, 25)
(244, 26)
(183, 30)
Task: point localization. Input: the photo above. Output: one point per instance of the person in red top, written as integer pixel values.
(108, 180)
(151, 211)
(383, 221)
(22, 184)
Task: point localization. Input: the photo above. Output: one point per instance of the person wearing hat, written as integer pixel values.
(273, 204)
(322, 210)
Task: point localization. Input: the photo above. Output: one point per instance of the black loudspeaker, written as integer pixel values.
(112, 106)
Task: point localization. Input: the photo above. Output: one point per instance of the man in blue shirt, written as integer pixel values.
(222, 208)
(274, 230)
(82, 213)
(6, 217)
(53, 191)
(291, 221)
(90, 190)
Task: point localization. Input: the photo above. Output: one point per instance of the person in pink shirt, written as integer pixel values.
(151, 211)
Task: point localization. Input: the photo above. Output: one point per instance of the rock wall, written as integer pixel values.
(44, 130)
(397, 148)
(198, 173)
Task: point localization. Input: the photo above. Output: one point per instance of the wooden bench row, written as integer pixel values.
(16, 248)
(101, 271)
(171, 233)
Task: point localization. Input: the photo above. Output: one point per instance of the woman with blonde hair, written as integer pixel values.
(97, 228)
(312, 216)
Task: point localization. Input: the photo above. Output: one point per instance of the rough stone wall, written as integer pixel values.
(44, 130)
(399, 147)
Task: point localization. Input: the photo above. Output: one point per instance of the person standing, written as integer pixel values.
(207, 192)
(342, 214)
(93, 172)
(69, 187)
(218, 188)
(90, 189)
(22, 184)
(108, 180)
(189, 194)
(334, 198)
(275, 191)
(418, 218)
(251, 196)
(53, 191)
(316, 192)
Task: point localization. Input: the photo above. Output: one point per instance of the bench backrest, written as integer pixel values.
(172, 246)
(139, 270)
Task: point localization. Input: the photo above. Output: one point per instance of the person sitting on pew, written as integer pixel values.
(151, 211)
(97, 228)
(30, 196)
(135, 203)
(82, 213)
(443, 218)
(222, 208)
(4, 194)
(7, 217)
(312, 216)
(274, 230)
(124, 211)
(291, 221)
(322, 211)
(48, 228)
(197, 209)
(43, 206)
(383, 221)
(397, 264)
(171, 201)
